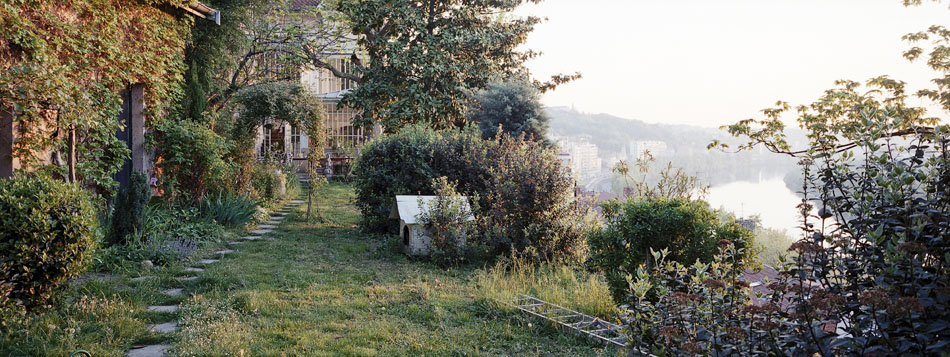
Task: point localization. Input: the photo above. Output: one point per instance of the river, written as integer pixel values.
(768, 198)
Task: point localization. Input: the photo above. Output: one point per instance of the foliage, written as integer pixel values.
(447, 219)
(129, 209)
(62, 65)
(689, 230)
(529, 205)
(47, 230)
(525, 202)
(702, 308)
(425, 58)
(514, 106)
(190, 161)
(670, 183)
(873, 258)
(268, 183)
(228, 209)
(171, 233)
(771, 244)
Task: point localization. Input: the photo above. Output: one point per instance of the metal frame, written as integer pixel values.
(592, 327)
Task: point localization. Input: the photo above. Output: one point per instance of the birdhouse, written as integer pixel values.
(416, 238)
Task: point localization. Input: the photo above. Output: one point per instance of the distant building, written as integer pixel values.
(639, 148)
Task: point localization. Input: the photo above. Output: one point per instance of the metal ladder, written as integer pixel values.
(594, 328)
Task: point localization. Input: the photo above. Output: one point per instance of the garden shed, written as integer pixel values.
(416, 239)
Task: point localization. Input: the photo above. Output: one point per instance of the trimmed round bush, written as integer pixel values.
(47, 230)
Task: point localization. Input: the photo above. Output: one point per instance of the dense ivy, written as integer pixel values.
(63, 64)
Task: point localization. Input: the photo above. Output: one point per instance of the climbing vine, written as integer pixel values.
(62, 67)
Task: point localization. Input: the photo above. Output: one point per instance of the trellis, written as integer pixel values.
(592, 327)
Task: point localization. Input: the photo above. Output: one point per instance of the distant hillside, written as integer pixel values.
(611, 134)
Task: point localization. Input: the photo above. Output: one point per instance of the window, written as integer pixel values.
(296, 150)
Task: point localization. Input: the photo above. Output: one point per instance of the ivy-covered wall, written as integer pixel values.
(62, 66)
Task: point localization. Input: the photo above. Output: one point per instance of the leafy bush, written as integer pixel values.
(47, 229)
(171, 233)
(689, 230)
(268, 183)
(190, 161)
(129, 209)
(699, 308)
(525, 197)
(228, 209)
(447, 219)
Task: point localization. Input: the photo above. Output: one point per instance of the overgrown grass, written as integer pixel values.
(563, 285)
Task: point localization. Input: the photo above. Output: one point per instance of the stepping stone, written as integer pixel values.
(270, 239)
(186, 278)
(148, 351)
(281, 214)
(233, 243)
(224, 251)
(209, 261)
(163, 308)
(142, 278)
(164, 328)
(273, 222)
(251, 237)
(296, 201)
(194, 270)
(265, 226)
(261, 231)
(172, 292)
(277, 218)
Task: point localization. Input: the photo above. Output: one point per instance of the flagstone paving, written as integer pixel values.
(148, 351)
(164, 327)
(163, 308)
(160, 350)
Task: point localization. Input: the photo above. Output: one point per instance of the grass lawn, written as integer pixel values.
(326, 289)
(316, 289)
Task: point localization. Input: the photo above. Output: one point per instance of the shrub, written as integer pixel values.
(447, 219)
(228, 209)
(171, 233)
(525, 197)
(268, 183)
(699, 308)
(689, 230)
(190, 161)
(129, 209)
(47, 229)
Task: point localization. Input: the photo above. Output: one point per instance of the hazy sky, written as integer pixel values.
(713, 62)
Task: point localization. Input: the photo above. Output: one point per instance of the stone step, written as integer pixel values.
(266, 226)
(148, 351)
(186, 278)
(277, 218)
(164, 327)
(209, 261)
(172, 292)
(261, 231)
(194, 270)
(224, 251)
(235, 243)
(251, 237)
(163, 308)
(142, 278)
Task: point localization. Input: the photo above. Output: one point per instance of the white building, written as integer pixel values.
(639, 148)
(578, 154)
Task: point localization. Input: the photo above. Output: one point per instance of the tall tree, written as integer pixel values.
(515, 106)
(427, 58)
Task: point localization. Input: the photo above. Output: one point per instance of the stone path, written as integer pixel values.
(260, 233)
